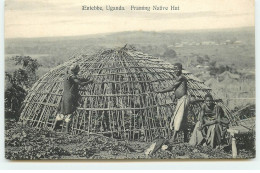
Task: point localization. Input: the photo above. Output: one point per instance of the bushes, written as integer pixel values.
(18, 83)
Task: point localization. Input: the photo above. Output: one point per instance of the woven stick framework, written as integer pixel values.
(121, 102)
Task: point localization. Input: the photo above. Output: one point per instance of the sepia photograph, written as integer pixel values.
(129, 80)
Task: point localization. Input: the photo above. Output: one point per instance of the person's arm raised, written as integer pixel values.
(78, 81)
(171, 88)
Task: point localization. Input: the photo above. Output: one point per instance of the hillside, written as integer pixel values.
(226, 49)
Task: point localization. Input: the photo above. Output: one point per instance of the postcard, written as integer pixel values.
(121, 79)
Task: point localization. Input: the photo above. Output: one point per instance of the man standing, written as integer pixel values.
(70, 96)
(179, 118)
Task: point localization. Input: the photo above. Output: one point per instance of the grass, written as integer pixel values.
(25, 143)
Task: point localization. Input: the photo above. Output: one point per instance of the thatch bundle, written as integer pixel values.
(121, 102)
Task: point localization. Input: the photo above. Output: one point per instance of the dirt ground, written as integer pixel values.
(25, 143)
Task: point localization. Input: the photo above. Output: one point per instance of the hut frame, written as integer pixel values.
(122, 102)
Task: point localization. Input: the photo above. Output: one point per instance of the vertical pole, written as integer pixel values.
(234, 146)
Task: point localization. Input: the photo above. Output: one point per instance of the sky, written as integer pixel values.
(51, 18)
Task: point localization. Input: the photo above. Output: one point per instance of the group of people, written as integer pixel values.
(209, 130)
(212, 123)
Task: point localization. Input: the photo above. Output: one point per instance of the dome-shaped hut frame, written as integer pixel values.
(121, 103)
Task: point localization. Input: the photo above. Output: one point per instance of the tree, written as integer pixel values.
(200, 60)
(25, 76)
(169, 53)
(18, 83)
(14, 96)
(216, 70)
(203, 60)
(213, 70)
